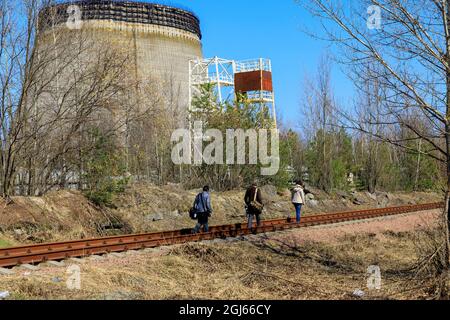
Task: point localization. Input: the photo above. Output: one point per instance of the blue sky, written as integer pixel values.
(244, 29)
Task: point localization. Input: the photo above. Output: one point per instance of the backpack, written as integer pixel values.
(255, 204)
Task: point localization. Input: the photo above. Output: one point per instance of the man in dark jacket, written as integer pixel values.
(254, 204)
(202, 205)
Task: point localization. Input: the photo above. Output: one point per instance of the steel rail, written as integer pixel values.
(37, 253)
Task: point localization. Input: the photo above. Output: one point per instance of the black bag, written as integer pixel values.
(193, 214)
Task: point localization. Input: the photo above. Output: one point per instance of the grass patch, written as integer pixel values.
(4, 243)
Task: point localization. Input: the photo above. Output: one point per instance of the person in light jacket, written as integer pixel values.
(298, 199)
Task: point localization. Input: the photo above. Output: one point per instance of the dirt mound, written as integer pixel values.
(58, 215)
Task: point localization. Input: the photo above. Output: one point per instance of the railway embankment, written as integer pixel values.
(68, 215)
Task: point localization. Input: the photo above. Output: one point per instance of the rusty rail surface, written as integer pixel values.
(32, 254)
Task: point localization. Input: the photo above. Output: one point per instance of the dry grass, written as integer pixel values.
(261, 268)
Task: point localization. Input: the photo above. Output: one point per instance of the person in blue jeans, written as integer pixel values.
(298, 199)
(203, 208)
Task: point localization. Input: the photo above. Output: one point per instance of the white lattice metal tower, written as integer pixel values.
(251, 78)
(216, 71)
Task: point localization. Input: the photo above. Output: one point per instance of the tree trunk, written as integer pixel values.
(416, 182)
(446, 213)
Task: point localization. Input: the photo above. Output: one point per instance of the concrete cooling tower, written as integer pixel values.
(161, 39)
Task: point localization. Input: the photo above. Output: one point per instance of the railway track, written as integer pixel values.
(32, 254)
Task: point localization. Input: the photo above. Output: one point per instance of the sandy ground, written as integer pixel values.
(330, 263)
(377, 227)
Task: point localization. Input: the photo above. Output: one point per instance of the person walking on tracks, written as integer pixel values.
(254, 205)
(203, 210)
(298, 198)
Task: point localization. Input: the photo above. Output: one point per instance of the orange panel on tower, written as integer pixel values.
(253, 81)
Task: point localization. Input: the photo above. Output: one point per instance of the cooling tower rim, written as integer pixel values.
(185, 19)
(162, 3)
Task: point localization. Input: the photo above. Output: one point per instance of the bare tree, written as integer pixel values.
(17, 33)
(408, 51)
(58, 85)
(369, 104)
(320, 120)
